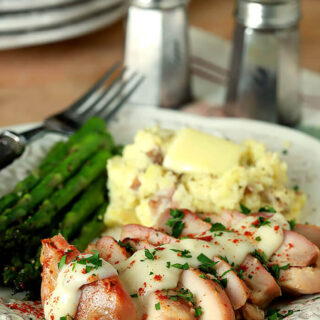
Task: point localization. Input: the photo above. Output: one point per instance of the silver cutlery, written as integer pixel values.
(102, 100)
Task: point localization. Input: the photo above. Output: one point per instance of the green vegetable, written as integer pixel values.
(176, 222)
(244, 209)
(182, 253)
(180, 266)
(217, 227)
(275, 270)
(157, 306)
(57, 153)
(80, 152)
(149, 255)
(90, 200)
(261, 221)
(62, 261)
(198, 312)
(261, 256)
(91, 229)
(292, 224)
(74, 186)
(267, 208)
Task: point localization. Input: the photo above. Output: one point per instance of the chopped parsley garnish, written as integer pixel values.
(176, 222)
(292, 224)
(198, 312)
(157, 306)
(296, 188)
(223, 282)
(225, 259)
(261, 221)
(261, 256)
(151, 273)
(186, 295)
(181, 266)
(127, 246)
(267, 208)
(205, 260)
(275, 270)
(183, 253)
(62, 262)
(226, 272)
(91, 263)
(168, 264)
(206, 264)
(244, 209)
(134, 295)
(149, 255)
(66, 318)
(274, 314)
(203, 276)
(258, 238)
(217, 227)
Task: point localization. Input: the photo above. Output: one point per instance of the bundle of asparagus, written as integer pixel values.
(65, 194)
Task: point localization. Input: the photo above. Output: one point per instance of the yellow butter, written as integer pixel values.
(198, 152)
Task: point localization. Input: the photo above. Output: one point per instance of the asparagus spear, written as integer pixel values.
(89, 201)
(91, 229)
(24, 272)
(58, 152)
(51, 207)
(80, 152)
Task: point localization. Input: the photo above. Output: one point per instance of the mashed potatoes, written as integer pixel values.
(152, 176)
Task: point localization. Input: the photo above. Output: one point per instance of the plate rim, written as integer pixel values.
(31, 21)
(63, 32)
(23, 126)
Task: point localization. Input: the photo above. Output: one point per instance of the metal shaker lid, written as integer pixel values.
(268, 14)
(158, 4)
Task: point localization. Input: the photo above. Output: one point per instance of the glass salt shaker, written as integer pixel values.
(157, 46)
(264, 73)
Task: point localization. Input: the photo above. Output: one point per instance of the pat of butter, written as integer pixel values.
(198, 152)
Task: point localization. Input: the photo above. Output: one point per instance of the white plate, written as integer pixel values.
(303, 159)
(25, 21)
(62, 32)
(22, 5)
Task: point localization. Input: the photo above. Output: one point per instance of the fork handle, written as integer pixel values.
(12, 144)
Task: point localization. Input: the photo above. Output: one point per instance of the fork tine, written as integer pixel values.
(93, 109)
(78, 103)
(115, 94)
(108, 112)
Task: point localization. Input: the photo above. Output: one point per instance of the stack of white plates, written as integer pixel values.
(31, 22)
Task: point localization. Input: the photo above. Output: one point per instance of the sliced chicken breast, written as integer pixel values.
(104, 299)
(298, 281)
(111, 251)
(138, 232)
(236, 289)
(193, 224)
(311, 232)
(264, 287)
(159, 306)
(208, 295)
(295, 250)
(252, 312)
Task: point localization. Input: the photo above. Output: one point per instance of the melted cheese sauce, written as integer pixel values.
(159, 269)
(64, 299)
(141, 275)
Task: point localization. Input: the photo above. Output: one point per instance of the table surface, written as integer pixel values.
(38, 81)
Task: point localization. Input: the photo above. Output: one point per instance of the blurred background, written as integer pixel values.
(37, 81)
